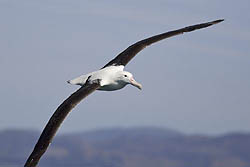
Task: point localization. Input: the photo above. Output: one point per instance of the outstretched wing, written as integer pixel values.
(56, 120)
(124, 57)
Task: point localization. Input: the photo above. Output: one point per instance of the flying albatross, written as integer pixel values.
(109, 78)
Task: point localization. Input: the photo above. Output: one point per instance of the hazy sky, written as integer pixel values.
(196, 83)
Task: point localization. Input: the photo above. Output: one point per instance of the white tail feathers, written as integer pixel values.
(78, 81)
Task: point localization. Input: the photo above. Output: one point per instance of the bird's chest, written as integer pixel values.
(111, 86)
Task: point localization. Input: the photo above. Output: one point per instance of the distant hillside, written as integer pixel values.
(137, 147)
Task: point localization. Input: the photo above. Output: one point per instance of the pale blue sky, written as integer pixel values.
(195, 83)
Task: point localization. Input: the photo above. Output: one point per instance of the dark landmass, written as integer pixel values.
(130, 147)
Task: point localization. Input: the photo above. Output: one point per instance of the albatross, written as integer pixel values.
(111, 77)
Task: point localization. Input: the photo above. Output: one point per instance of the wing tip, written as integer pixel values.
(217, 21)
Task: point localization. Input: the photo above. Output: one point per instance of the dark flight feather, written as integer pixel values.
(124, 57)
(56, 120)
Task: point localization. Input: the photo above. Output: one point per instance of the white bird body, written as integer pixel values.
(104, 74)
(111, 78)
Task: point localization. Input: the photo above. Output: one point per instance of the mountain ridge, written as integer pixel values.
(129, 147)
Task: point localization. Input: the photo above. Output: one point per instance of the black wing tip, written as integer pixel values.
(217, 21)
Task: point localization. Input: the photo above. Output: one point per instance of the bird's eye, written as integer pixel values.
(125, 76)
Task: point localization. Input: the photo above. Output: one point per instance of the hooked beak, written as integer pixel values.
(136, 84)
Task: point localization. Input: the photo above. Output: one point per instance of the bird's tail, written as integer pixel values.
(77, 81)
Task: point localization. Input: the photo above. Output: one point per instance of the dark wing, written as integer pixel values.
(56, 120)
(124, 57)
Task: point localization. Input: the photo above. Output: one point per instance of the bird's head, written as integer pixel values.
(127, 78)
